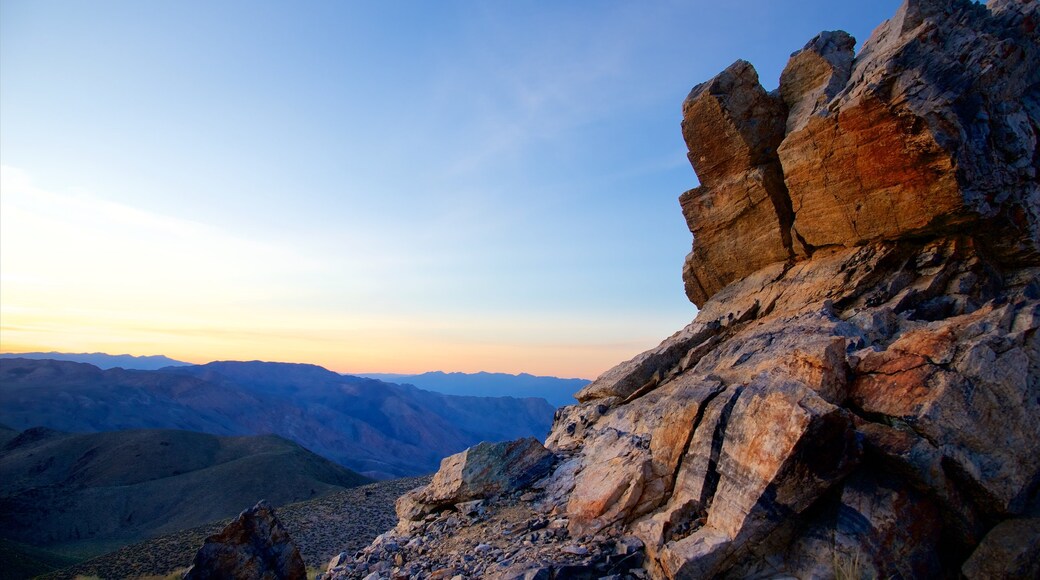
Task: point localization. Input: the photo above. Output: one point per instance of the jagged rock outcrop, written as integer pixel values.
(859, 395)
(255, 546)
(930, 128)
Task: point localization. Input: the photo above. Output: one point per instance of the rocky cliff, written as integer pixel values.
(859, 395)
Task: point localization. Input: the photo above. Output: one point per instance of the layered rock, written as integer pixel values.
(859, 395)
(931, 127)
(255, 546)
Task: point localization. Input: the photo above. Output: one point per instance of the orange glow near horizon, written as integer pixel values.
(82, 274)
(388, 354)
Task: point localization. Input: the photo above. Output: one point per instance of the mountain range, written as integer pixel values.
(379, 429)
(104, 361)
(559, 392)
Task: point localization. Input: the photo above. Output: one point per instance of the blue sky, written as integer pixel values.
(383, 186)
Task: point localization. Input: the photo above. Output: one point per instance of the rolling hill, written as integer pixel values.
(342, 521)
(81, 494)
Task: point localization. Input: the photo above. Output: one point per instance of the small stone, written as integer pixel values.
(576, 550)
(338, 559)
(470, 508)
(628, 545)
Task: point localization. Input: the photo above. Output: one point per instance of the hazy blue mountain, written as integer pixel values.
(376, 428)
(78, 492)
(387, 377)
(104, 361)
(559, 392)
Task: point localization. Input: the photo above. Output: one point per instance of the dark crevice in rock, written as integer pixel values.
(900, 423)
(711, 479)
(773, 181)
(689, 438)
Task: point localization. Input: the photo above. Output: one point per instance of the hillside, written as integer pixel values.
(103, 360)
(376, 428)
(341, 521)
(559, 392)
(80, 494)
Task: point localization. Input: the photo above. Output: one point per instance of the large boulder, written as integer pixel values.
(255, 546)
(484, 470)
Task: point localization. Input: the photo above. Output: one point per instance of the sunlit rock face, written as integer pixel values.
(859, 394)
(931, 128)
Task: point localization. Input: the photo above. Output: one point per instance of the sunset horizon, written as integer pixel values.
(448, 187)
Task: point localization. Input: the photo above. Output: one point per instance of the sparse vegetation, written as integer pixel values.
(174, 575)
(344, 521)
(847, 566)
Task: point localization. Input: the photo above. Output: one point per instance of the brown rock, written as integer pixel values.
(935, 128)
(783, 447)
(1010, 550)
(481, 471)
(879, 527)
(254, 546)
(954, 379)
(740, 216)
(631, 460)
(815, 75)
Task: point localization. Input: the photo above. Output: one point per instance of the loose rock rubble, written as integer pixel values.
(512, 530)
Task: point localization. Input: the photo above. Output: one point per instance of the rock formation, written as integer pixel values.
(859, 395)
(254, 546)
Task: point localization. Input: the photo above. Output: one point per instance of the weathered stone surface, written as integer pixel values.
(481, 471)
(634, 452)
(815, 75)
(783, 447)
(1010, 550)
(740, 216)
(936, 127)
(254, 546)
(965, 383)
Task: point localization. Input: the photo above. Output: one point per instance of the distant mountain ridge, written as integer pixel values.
(380, 429)
(104, 361)
(558, 391)
(86, 491)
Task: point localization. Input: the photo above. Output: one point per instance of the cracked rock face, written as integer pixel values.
(932, 127)
(859, 395)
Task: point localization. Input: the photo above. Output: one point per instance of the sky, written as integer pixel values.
(370, 186)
